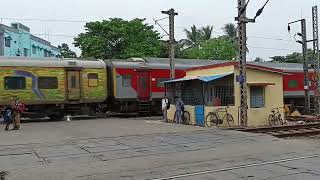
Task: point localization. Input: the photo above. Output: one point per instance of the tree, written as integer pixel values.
(220, 48)
(164, 49)
(119, 39)
(259, 59)
(193, 36)
(66, 52)
(230, 30)
(196, 36)
(206, 33)
(293, 57)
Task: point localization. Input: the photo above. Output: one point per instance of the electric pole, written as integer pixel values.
(172, 41)
(305, 66)
(242, 38)
(316, 58)
(306, 63)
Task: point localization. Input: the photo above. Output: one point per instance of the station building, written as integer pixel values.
(16, 40)
(202, 85)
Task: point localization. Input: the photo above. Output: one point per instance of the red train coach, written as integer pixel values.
(135, 85)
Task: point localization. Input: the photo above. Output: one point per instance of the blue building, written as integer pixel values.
(17, 41)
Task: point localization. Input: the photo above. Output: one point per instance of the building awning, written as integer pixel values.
(200, 78)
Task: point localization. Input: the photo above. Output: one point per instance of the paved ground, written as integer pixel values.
(147, 149)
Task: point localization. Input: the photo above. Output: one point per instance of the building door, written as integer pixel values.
(143, 86)
(74, 89)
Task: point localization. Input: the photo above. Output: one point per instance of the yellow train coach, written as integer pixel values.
(53, 87)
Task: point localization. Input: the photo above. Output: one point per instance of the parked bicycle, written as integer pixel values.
(275, 118)
(185, 117)
(214, 119)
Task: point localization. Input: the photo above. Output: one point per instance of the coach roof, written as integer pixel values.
(47, 62)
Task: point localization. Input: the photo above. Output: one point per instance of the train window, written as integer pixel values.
(14, 82)
(93, 79)
(126, 80)
(160, 82)
(73, 82)
(293, 83)
(47, 82)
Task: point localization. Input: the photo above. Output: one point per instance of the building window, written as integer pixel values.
(257, 97)
(45, 53)
(47, 82)
(126, 80)
(25, 52)
(293, 83)
(93, 79)
(14, 82)
(7, 41)
(34, 50)
(160, 81)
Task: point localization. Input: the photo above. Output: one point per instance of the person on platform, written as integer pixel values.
(7, 117)
(17, 108)
(179, 110)
(165, 106)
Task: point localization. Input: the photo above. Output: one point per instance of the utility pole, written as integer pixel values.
(172, 41)
(316, 58)
(242, 38)
(306, 63)
(305, 66)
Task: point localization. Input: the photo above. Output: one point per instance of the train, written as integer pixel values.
(56, 87)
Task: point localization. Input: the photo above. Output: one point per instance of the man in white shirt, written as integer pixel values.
(164, 107)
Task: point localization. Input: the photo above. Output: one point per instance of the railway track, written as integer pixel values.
(287, 130)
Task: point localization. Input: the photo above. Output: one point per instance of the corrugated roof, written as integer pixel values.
(200, 78)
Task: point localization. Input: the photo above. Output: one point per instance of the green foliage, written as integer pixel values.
(259, 59)
(119, 39)
(196, 36)
(164, 49)
(293, 57)
(220, 48)
(230, 30)
(66, 52)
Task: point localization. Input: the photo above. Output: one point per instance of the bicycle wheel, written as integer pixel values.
(186, 117)
(272, 120)
(212, 120)
(229, 119)
(281, 121)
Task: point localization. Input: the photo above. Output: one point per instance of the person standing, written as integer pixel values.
(7, 117)
(179, 110)
(16, 107)
(165, 106)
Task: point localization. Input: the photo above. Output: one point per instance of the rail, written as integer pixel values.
(287, 130)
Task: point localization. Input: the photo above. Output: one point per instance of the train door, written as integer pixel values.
(144, 86)
(73, 83)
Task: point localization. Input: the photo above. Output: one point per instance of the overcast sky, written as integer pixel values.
(272, 24)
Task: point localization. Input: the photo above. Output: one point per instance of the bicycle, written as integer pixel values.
(275, 118)
(213, 118)
(185, 117)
